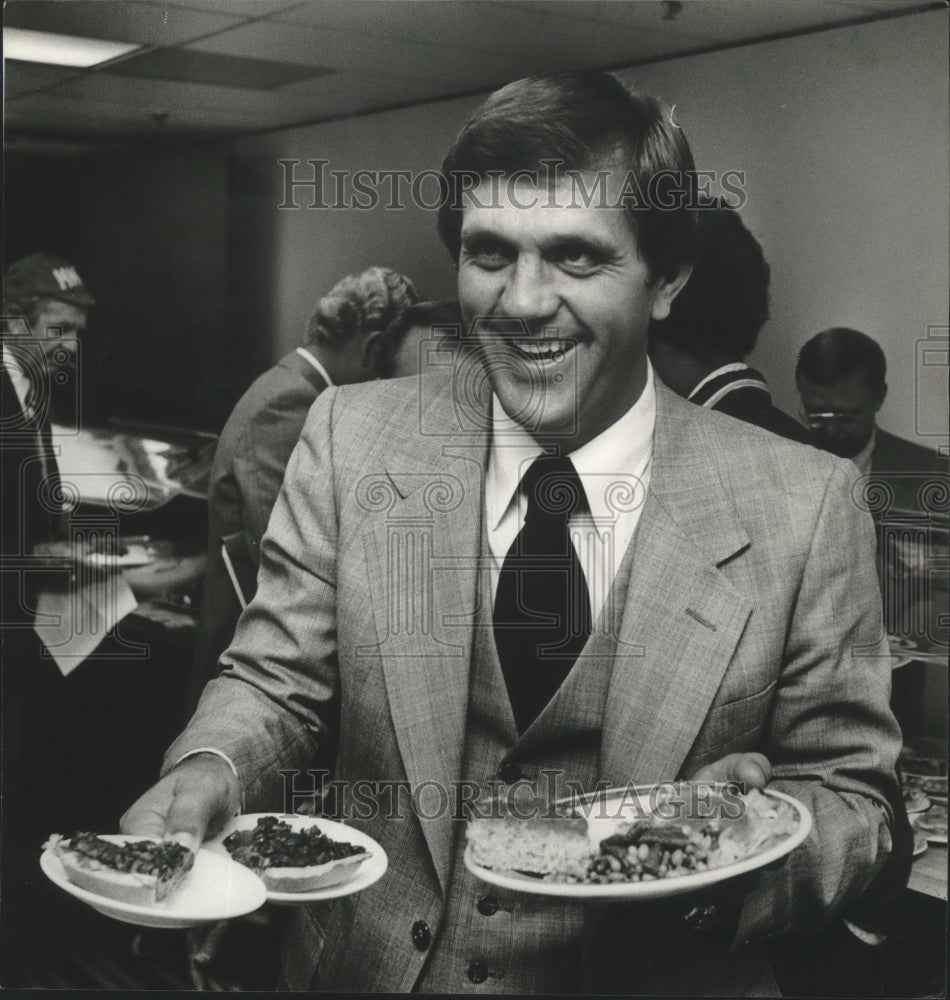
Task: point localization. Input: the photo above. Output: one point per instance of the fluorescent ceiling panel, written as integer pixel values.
(60, 50)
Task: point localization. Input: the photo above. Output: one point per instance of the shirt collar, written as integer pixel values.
(315, 363)
(624, 449)
(735, 366)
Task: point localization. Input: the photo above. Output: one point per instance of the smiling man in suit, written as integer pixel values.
(543, 563)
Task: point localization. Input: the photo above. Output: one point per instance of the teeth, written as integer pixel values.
(546, 351)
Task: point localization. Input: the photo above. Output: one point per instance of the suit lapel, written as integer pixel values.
(423, 554)
(683, 618)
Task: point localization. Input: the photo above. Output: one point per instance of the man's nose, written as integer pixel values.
(529, 293)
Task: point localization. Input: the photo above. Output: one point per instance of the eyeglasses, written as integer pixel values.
(831, 419)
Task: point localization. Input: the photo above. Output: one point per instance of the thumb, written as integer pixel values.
(750, 769)
(202, 798)
(187, 820)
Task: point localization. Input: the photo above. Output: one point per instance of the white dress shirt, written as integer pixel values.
(863, 458)
(614, 469)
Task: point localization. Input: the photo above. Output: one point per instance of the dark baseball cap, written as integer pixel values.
(45, 276)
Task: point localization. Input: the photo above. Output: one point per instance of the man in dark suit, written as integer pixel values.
(45, 309)
(342, 342)
(698, 350)
(841, 377)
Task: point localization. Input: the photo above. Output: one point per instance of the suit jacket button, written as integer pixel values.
(421, 935)
(478, 971)
(487, 905)
(509, 772)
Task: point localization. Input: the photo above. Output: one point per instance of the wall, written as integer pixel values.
(153, 228)
(843, 136)
(844, 139)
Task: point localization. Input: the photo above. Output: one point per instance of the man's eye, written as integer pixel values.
(576, 259)
(489, 254)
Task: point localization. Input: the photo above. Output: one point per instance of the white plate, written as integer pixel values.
(216, 888)
(370, 871)
(624, 891)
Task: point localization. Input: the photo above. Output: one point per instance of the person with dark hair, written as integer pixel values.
(403, 634)
(425, 324)
(262, 431)
(699, 350)
(841, 377)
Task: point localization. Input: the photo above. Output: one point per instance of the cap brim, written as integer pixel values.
(76, 297)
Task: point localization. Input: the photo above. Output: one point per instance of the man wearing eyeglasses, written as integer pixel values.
(841, 379)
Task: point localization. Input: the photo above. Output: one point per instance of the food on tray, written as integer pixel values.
(922, 767)
(920, 842)
(122, 554)
(648, 847)
(143, 872)
(291, 860)
(914, 799)
(934, 823)
(933, 788)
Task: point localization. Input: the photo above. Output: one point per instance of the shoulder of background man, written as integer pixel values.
(286, 390)
(755, 407)
(895, 454)
(751, 460)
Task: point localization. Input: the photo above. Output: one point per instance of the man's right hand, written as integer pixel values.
(195, 799)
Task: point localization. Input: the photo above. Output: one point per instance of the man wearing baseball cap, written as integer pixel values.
(45, 305)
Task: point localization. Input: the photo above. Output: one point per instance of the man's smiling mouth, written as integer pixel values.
(544, 350)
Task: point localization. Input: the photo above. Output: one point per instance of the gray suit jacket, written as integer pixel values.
(752, 619)
(248, 470)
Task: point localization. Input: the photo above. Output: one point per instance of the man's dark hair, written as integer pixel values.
(582, 121)
(839, 352)
(429, 315)
(725, 303)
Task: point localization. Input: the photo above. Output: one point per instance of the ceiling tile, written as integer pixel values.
(531, 31)
(26, 77)
(41, 114)
(455, 69)
(116, 20)
(238, 8)
(213, 68)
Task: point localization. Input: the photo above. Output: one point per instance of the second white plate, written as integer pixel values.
(369, 872)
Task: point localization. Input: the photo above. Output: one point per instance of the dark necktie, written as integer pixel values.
(542, 614)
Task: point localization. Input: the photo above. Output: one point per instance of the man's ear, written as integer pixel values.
(667, 290)
(369, 348)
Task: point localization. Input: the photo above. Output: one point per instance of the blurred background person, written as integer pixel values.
(45, 309)
(841, 376)
(436, 324)
(261, 433)
(699, 349)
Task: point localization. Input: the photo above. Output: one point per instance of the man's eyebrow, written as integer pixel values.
(548, 240)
